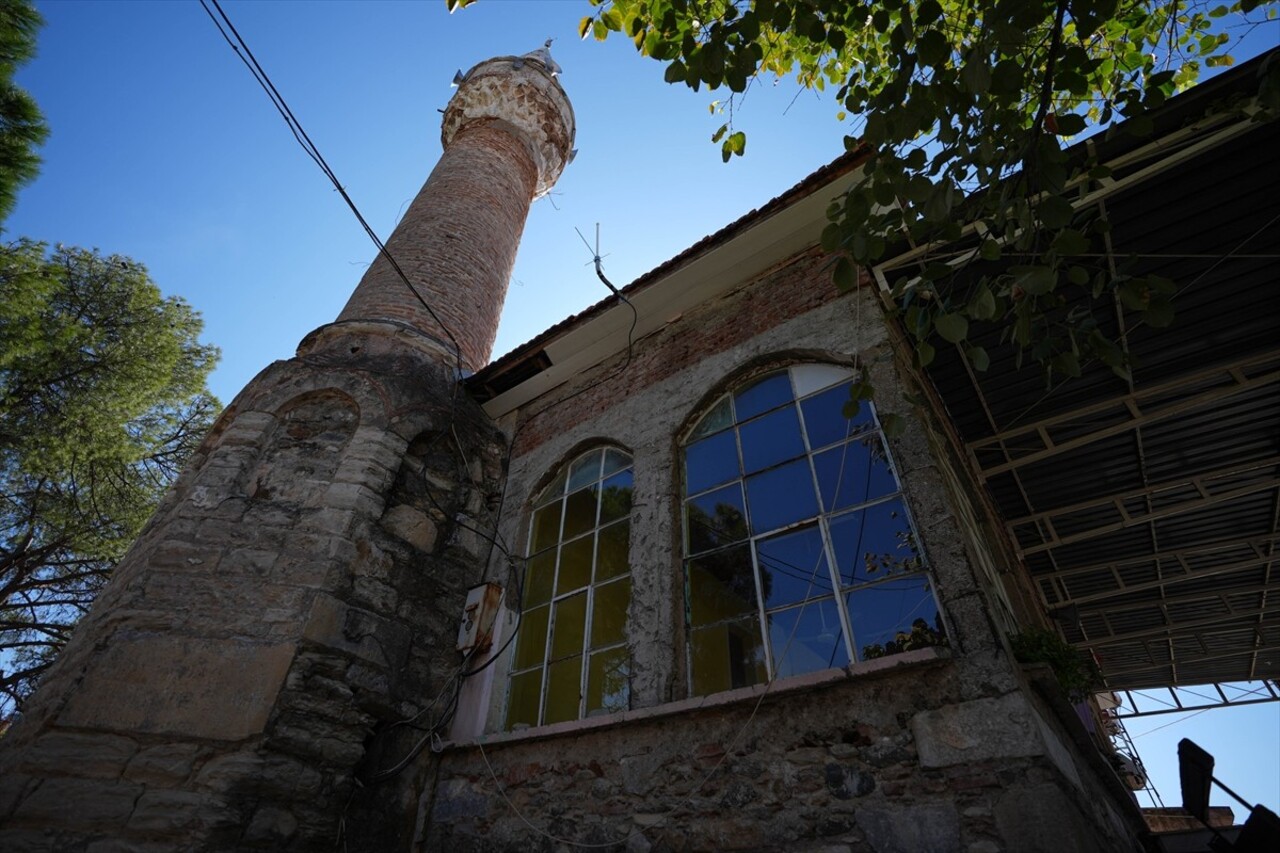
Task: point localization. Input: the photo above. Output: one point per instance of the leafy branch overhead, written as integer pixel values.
(964, 108)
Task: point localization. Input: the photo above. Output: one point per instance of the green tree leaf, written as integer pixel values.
(894, 426)
(982, 306)
(953, 328)
(735, 144)
(1035, 280)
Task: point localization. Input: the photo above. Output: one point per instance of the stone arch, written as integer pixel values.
(748, 369)
(302, 453)
(557, 465)
(425, 495)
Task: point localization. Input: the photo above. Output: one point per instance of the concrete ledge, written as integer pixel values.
(742, 696)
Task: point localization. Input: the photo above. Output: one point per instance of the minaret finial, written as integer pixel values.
(543, 56)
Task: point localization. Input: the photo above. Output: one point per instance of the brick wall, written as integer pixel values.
(717, 327)
(456, 243)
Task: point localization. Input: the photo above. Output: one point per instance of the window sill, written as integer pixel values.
(743, 695)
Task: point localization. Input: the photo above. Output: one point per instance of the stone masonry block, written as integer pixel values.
(164, 764)
(230, 771)
(918, 828)
(365, 635)
(178, 812)
(92, 755)
(981, 730)
(200, 688)
(13, 788)
(411, 525)
(354, 496)
(118, 845)
(95, 803)
(1042, 819)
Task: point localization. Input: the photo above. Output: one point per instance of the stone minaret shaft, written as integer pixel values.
(298, 592)
(506, 135)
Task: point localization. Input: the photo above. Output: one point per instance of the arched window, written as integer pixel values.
(571, 658)
(799, 551)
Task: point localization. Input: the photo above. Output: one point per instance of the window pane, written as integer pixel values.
(609, 613)
(615, 460)
(781, 496)
(857, 469)
(710, 462)
(570, 545)
(569, 627)
(615, 497)
(546, 527)
(824, 419)
(721, 585)
(874, 543)
(609, 682)
(814, 644)
(564, 690)
(575, 565)
(584, 470)
(720, 417)
(814, 377)
(726, 656)
(531, 642)
(771, 439)
(611, 559)
(716, 518)
(580, 512)
(524, 698)
(538, 578)
(554, 490)
(762, 395)
(895, 616)
(793, 567)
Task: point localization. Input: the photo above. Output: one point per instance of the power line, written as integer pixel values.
(241, 48)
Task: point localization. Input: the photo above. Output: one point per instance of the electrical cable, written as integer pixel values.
(300, 134)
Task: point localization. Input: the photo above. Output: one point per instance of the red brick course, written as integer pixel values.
(784, 293)
(457, 243)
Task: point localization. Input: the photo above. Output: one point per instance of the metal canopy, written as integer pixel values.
(1147, 512)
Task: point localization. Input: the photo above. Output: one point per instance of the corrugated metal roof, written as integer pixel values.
(1147, 516)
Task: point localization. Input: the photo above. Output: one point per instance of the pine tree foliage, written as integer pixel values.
(22, 127)
(102, 397)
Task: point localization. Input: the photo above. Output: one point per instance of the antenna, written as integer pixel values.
(595, 257)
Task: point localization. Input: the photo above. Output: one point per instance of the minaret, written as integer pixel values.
(507, 135)
(298, 592)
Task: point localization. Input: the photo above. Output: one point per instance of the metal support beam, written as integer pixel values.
(1137, 415)
(1269, 691)
(1177, 630)
(1182, 555)
(1199, 482)
(1121, 673)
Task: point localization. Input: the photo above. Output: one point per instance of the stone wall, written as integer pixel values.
(931, 750)
(907, 756)
(296, 594)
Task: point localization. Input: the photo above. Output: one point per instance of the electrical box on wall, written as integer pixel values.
(476, 631)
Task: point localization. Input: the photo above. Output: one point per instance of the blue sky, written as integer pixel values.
(164, 149)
